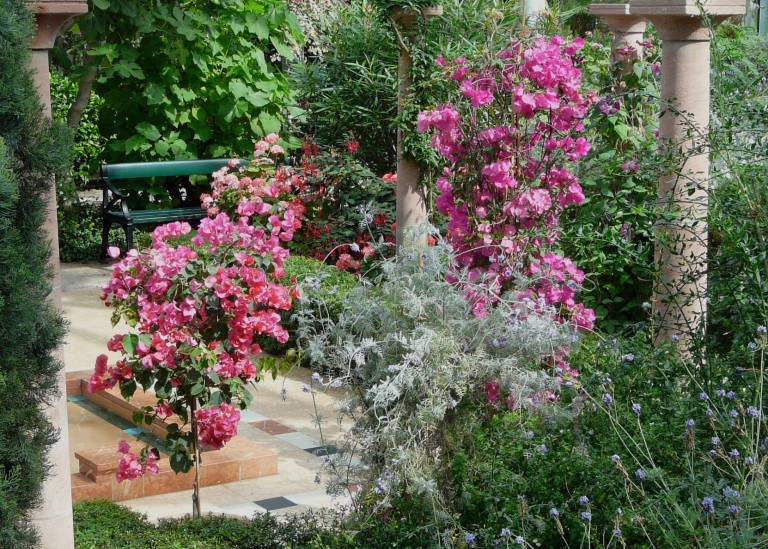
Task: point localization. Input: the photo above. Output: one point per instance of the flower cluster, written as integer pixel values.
(217, 425)
(262, 187)
(509, 179)
(131, 467)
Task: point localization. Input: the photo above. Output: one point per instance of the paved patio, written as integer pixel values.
(283, 426)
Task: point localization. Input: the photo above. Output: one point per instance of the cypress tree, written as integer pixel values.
(32, 152)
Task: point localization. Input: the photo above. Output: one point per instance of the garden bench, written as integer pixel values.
(128, 218)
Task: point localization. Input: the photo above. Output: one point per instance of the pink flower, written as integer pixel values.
(217, 425)
(276, 150)
(113, 251)
(272, 138)
(123, 447)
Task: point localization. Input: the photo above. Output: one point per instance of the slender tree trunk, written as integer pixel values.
(198, 464)
(83, 97)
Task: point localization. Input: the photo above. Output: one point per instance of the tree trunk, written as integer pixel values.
(85, 86)
(198, 464)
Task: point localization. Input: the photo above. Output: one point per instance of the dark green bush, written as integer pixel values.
(102, 524)
(32, 153)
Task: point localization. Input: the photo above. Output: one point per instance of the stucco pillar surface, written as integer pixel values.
(628, 31)
(53, 519)
(681, 251)
(411, 202)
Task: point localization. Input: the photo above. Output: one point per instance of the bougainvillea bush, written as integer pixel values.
(196, 311)
(511, 137)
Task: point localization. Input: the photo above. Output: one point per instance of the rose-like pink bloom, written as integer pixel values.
(123, 447)
(113, 251)
(114, 344)
(163, 410)
(276, 149)
(272, 138)
(129, 468)
(492, 391)
(217, 425)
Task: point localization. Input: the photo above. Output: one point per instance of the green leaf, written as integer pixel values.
(281, 47)
(149, 131)
(101, 4)
(162, 148)
(257, 24)
(155, 94)
(138, 417)
(129, 344)
(238, 88)
(269, 123)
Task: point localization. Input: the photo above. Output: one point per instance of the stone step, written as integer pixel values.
(240, 459)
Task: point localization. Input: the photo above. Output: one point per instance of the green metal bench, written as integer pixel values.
(115, 204)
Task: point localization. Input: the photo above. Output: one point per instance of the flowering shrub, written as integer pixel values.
(510, 138)
(196, 311)
(350, 213)
(248, 190)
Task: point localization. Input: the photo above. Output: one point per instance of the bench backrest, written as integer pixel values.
(167, 168)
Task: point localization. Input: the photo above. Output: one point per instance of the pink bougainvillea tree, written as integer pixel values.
(511, 136)
(195, 308)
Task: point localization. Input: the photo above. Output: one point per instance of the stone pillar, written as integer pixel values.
(627, 30)
(411, 203)
(681, 252)
(54, 518)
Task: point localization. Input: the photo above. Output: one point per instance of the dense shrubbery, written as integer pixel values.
(32, 152)
(101, 524)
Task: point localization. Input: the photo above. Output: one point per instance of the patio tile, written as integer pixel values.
(272, 427)
(273, 504)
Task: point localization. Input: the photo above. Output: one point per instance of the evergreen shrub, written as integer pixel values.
(32, 152)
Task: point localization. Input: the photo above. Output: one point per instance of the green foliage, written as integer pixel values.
(102, 524)
(738, 214)
(80, 227)
(328, 284)
(352, 87)
(88, 142)
(189, 79)
(32, 151)
(414, 359)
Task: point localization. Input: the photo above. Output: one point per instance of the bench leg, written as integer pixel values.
(106, 225)
(129, 237)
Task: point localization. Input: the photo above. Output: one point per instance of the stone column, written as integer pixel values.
(54, 518)
(680, 305)
(411, 204)
(627, 30)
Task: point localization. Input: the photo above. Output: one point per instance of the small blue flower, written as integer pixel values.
(751, 346)
(519, 540)
(554, 513)
(754, 412)
(283, 394)
(354, 247)
(709, 412)
(615, 458)
(636, 409)
(470, 539)
(715, 441)
(675, 338)
(690, 424)
(749, 461)
(720, 393)
(734, 453)
(734, 413)
(712, 453)
(708, 504)
(733, 509)
(316, 377)
(305, 388)
(584, 500)
(629, 357)
(607, 398)
(318, 480)
(543, 449)
(586, 516)
(761, 330)
(730, 395)
(506, 533)
(619, 511)
(704, 396)
(640, 475)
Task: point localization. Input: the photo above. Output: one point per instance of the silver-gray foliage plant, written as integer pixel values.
(410, 353)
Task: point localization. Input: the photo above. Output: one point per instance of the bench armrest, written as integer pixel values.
(111, 196)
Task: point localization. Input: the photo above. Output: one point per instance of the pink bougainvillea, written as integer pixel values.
(511, 137)
(197, 308)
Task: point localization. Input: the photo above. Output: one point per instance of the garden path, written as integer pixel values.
(283, 426)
